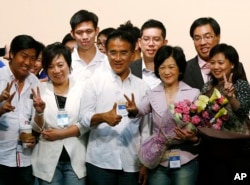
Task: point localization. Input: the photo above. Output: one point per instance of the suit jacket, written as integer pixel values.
(136, 68)
(193, 76)
(155, 102)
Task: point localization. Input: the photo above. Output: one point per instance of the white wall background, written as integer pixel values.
(48, 20)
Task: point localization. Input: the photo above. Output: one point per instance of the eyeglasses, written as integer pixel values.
(100, 44)
(155, 40)
(206, 38)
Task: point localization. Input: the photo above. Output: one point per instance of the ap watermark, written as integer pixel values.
(240, 176)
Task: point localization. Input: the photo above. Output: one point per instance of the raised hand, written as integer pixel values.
(38, 103)
(229, 89)
(112, 118)
(131, 105)
(7, 107)
(6, 92)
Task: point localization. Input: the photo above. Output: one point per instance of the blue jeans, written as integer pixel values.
(186, 175)
(16, 175)
(64, 175)
(100, 176)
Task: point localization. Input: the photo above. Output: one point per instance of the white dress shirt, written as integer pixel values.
(11, 153)
(83, 71)
(113, 147)
(149, 76)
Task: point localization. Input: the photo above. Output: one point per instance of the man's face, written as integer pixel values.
(204, 40)
(120, 55)
(150, 42)
(22, 61)
(85, 34)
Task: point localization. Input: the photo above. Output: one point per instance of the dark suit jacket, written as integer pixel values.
(136, 68)
(193, 76)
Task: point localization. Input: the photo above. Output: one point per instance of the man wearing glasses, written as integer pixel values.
(153, 36)
(205, 32)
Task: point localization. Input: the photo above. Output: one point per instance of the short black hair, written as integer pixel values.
(53, 50)
(152, 23)
(123, 35)
(83, 16)
(203, 21)
(167, 51)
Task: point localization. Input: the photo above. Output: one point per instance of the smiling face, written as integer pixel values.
(204, 40)
(120, 55)
(219, 66)
(85, 34)
(169, 72)
(150, 41)
(58, 70)
(21, 62)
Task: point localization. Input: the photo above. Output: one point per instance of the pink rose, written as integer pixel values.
(178, 110)
(216, 127)
(193, 108)
(186, 118)
(215, 107)
(195, 120)
(205, 114)
(219, 122)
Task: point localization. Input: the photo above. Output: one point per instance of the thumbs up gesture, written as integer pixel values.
(112, 117)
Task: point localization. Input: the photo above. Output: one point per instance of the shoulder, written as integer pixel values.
(185, 87)
(136, 63)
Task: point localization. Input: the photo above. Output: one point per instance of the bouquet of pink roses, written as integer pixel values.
(203, 112)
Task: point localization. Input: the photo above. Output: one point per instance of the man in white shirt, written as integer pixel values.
(86, 57)
(114, 138)
(17, 81)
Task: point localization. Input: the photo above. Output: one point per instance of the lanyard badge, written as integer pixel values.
(62, 118)
(174, 159)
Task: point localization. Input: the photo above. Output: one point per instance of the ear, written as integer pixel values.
(72, 34)
(232, 66)
(165, 42)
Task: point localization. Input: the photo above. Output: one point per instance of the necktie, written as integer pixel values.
(205, 69)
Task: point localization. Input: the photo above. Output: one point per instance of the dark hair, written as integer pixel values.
(151, 23)
(83, 16)
(41, 47)
(231, 54)
(53, 50)
(22, 42)
(203, 21)
(105, 32)
(123, 35)
(67, 38)
(128, 26)
(165, 52)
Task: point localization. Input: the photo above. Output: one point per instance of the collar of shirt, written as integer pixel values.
(99, 57)
(201, 62)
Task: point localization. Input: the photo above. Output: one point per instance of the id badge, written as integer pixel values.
(174, 159)
(62, 118)
(122, 109)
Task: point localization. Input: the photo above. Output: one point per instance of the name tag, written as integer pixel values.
(174, 159)
(62, 118)
(122, 109)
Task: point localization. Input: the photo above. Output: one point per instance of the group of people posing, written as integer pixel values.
(96, 107)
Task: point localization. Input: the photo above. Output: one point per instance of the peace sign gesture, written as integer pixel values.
(6, 92)
(131, 105)
(7, 107)
(38, 103)
(228, 86)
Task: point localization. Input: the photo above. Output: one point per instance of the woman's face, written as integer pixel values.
(219, 66)
(58, 70)
(169, 71)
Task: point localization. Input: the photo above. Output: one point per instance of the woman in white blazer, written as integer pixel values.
(59, 156)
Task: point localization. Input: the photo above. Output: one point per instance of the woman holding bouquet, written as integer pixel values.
(170, 65)
(228, 79)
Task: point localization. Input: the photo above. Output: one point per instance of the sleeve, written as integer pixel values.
(88, 104)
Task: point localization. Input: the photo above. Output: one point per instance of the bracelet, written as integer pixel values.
(39, 113)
